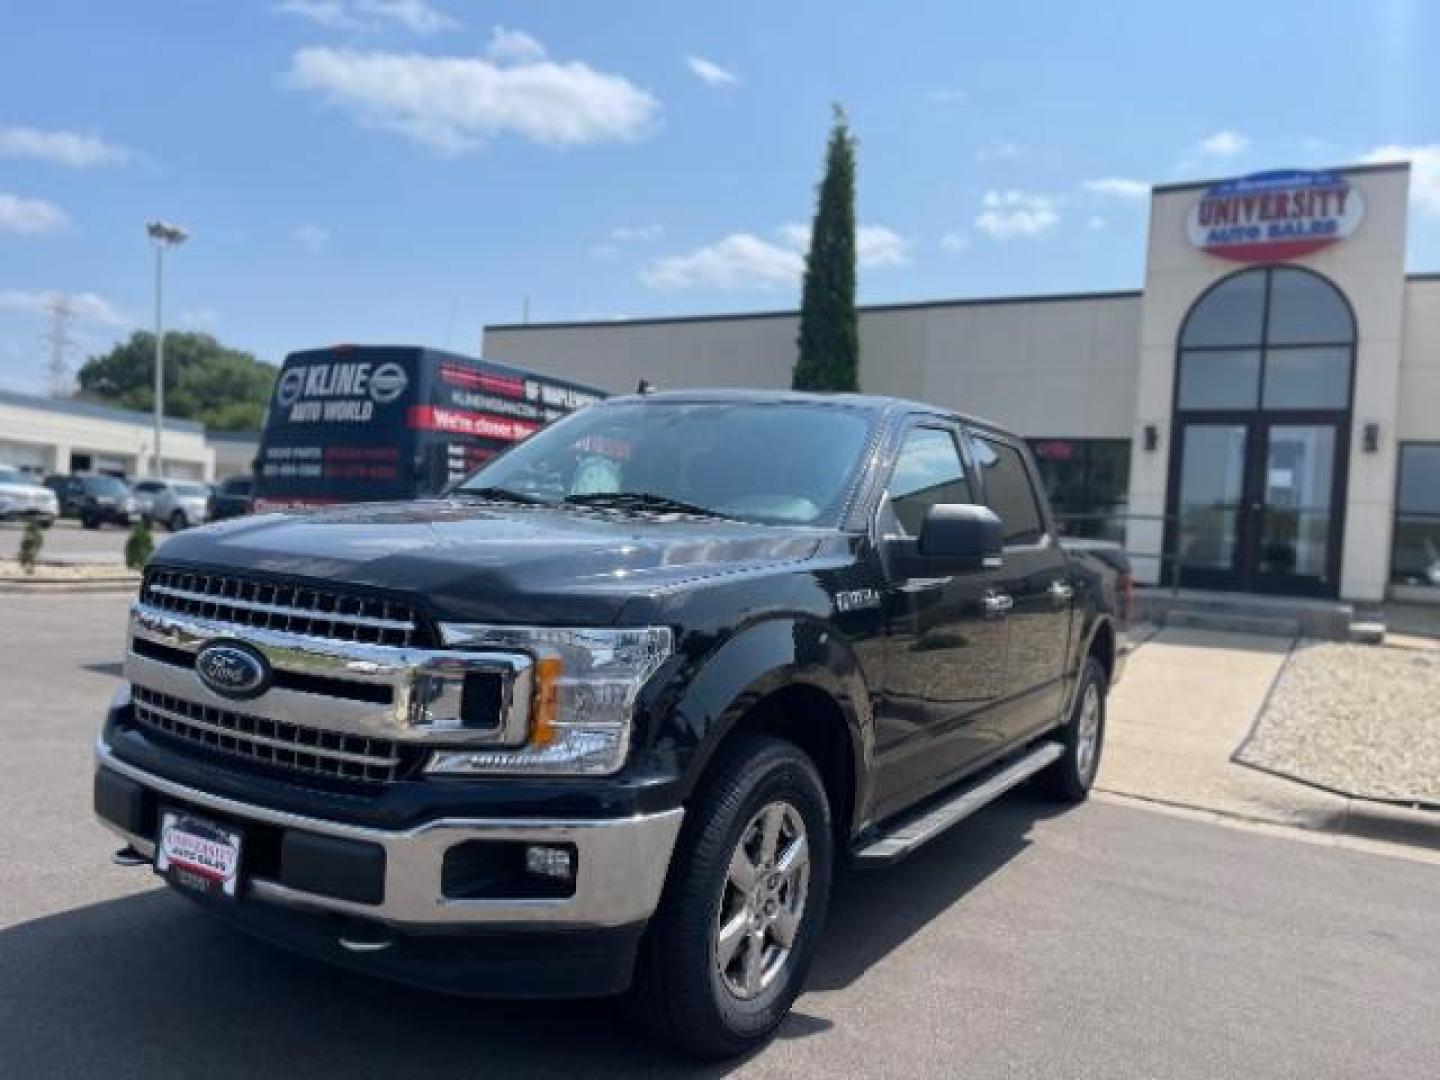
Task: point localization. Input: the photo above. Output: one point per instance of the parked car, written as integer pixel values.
(23, 498)
(68, 490)
(612, 714)
(231, 498)
(97, 499)
(177, 504)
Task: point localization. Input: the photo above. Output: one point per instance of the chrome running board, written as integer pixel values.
(910, 832)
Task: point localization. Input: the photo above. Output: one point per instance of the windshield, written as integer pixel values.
(106, 485)
(192, 491)
(782, 463)
(12, 476)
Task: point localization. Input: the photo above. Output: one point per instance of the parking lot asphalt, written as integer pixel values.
(1102, 941)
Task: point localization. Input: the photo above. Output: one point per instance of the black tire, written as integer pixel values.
(680, 992)
(178, 521)
(1071, 776)
(89, 521)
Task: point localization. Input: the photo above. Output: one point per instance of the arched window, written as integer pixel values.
(1272, 338)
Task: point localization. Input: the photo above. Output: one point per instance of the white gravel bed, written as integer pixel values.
(1360, 719)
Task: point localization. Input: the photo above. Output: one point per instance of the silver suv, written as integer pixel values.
(177, 504)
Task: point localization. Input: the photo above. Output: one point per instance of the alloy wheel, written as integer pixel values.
(762, 901)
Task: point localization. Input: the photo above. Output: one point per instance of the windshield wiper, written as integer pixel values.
(641, 500)
(500, 494)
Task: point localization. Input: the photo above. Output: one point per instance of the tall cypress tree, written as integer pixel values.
(829, 339)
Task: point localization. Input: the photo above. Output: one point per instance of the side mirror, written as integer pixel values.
(959, 538)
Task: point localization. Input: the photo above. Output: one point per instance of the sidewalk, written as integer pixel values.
(1188, 699)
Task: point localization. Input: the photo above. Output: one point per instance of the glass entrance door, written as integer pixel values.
(1211, 504)
(1295, 527)
(1255, 506)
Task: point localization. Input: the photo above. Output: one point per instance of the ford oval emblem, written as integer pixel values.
(233, 669)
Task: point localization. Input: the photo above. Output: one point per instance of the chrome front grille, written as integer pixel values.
(309, 610)
(266, 742)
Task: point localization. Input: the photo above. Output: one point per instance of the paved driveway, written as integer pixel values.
(1106, 941)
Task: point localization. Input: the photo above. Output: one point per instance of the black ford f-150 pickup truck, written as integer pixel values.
(611, 715)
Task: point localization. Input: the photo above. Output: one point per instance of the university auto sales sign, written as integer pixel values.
(1274, 215)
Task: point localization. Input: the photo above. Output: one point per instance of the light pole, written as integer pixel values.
(164, 234)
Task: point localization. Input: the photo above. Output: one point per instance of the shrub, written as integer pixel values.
(30, 544)
(139, 546)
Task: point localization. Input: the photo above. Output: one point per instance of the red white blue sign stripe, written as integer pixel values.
(1273, 216)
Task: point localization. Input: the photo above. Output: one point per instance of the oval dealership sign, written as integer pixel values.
(1274, 215)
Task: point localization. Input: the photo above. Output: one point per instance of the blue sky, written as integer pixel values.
(408, 170)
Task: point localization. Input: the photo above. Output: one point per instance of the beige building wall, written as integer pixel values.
(1369, 268)
(48, 436)
(1008, 360)
(1418, 418)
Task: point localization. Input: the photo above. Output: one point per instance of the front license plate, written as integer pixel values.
(198, 854)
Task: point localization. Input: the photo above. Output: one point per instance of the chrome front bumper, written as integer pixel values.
(621, 863)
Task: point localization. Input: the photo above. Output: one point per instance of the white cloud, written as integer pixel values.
(334, 14)
(634, 234)
(745, 261)
(955, 241)
(513, 47)
(1094, 222)
(1222, 144)
(1000, 151)
(454, 103)
(1008, 215)
(1424, 172)
(30, 217)
(1118, 187)
(69, 148)
(313, 238)
(415, 15)
(86, 306)
(739, 261)
(709, 72)
(875, 245)
(203, 318)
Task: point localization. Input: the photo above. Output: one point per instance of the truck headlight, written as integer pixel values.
(585, 685)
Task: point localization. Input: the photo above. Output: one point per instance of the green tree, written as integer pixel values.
(223, 388)
(139, 545)
(31, 541)
(829, 337)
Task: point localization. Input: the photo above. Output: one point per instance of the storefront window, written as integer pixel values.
(1416, 557)
(1088, 482)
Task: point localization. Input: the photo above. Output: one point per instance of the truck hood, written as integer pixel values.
(487, 563)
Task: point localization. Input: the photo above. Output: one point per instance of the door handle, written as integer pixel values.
(1060, 590)
(997, 604)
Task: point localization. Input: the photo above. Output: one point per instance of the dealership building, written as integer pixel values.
(1262, 415)
(63, 435)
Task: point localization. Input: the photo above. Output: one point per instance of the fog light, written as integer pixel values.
(551, 862)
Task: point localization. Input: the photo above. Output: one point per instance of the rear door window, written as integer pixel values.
(1008, 490)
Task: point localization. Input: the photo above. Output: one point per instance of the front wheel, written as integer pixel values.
(1072, 775)
(727, 952)
(178, 521)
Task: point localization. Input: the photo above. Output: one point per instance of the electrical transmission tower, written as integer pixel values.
(57, 337)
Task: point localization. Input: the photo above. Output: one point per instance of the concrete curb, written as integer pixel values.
(1397, 824)
(22, 587)
(1357, 820)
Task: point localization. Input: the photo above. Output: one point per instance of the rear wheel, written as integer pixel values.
(1070, 778)
(728, 950)
(89, 521)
